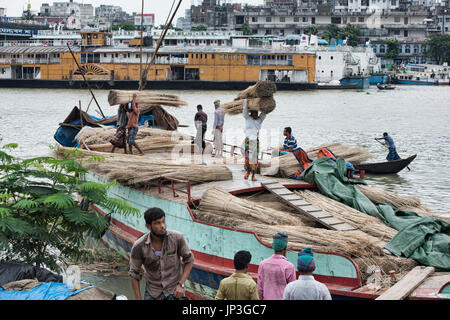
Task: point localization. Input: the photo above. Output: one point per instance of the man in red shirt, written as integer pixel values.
(133, 125)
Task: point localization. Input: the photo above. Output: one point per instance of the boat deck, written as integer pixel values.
(236, 185)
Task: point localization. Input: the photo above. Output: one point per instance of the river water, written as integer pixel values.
(417, 117)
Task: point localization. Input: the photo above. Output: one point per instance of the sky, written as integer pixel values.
(160, 8)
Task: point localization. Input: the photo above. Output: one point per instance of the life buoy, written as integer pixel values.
(14, 43)
(69, 42)
(44, 42)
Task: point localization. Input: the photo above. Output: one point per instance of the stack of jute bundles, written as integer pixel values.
(116, 97)
(259, 96)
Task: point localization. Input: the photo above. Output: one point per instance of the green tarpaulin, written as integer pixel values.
(424, 239)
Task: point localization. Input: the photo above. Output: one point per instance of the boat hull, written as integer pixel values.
(214, 246)
(388, 167)
(359, 82)
(382, 78)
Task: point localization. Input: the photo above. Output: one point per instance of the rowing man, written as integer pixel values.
(389, 142)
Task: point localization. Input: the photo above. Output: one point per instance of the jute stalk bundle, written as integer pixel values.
(401, 202)
(135, 171)
(223, 209)
(98, 136)
(288, 164)
(217, 204)
(264, 88)
(116, 97)
(362, 221)
(265, 105)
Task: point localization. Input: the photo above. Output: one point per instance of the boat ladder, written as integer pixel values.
(293, 200)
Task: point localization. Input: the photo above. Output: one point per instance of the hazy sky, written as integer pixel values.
(161, 8)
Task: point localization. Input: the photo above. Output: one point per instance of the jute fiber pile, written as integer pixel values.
(116, 97)
(288, 164)
(260, 98)
(135, 171)
(148, 139)
(221, 208)
(401, 202)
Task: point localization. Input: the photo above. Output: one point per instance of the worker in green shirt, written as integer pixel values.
(239, 286)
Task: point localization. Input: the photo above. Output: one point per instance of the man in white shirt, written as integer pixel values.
(306, 287)
(253, 123)
(219, 118)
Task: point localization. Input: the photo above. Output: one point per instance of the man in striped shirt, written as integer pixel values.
(290, 143)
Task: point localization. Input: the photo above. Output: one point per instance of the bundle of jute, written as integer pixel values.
(97, 136)
(354, 155)
(264, 88)
(259, 97)
(362, 221)
(287, 165)
(219, 200)
(135, 171)
(116, 97)
(264, 104)
(401, 202)
(230, 211)
(148, 145)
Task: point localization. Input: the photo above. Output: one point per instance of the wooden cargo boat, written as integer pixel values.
(387, 167)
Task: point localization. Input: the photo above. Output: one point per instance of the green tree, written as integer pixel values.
(124, 26)
(246, 29)
(200, 27)
(28, 15)
(438, 47)
(41, 222)
(392, 50)
(311, 30)
(331, 31)
(351, 33)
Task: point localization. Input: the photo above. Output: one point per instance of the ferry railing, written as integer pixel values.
(160, 184)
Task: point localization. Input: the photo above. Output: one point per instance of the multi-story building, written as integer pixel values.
(214, 16)
(74, 10)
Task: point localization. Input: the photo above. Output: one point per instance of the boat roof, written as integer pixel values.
(37, 49)
(200, 49)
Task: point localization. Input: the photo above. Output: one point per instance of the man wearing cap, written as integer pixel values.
(306, 287)
(276, 272)
(219, 117)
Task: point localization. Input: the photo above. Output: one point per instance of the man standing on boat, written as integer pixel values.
(253, 123)
(306, 287)
(276, 272)
(200, 121)
(160, 252)
(239, 286)
(119, 140)
(133, 125)
(219, 118)
(389, 142)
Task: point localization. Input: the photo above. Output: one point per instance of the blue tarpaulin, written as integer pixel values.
(45, 291)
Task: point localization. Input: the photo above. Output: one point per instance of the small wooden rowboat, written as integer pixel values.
(385, 167)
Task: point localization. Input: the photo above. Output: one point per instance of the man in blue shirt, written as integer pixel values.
(389, 142)
(290, 143)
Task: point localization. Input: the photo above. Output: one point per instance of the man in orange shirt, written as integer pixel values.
(133, 125)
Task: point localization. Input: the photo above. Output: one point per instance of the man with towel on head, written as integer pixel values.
(306, 287)
(219, 118)
(276, 272)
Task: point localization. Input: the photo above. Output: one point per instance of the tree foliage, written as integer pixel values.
(392, 49)
(246, 30)
(349, 32)
(200, 27)
(124, 26)
(41, 221)
(438, 47)
(311, 30)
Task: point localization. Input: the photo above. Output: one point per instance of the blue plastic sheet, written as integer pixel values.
(45, 291)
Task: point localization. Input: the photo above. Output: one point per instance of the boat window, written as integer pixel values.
(212, 56)
(331, 57)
